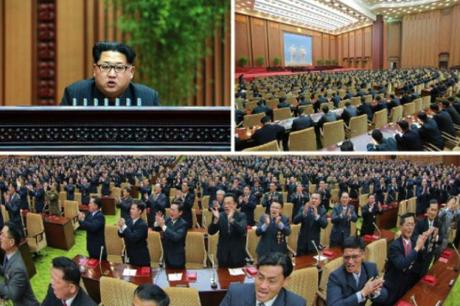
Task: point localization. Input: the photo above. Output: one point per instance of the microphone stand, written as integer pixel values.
(318, 261)
(213, 273)
(378, 229)
(412, 298)
(457, 266)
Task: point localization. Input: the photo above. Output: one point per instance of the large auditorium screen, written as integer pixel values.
(297, 49)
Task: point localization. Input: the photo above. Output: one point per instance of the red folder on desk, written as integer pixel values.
(403, 303)
(91, 263)
(144, 271)
(430, 280)
(191, 276)
(447, 254)
(251, 270)
(328, 253)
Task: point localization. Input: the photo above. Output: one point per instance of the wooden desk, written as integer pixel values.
(427, 295)
(59, 232)
(115, 128)
(388, 218)
(108, 206)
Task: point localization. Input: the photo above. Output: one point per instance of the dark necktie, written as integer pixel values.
(5, 261)
(407, 248)
(261, 304)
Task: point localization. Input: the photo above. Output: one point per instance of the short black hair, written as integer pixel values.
(265, 119)
(403, 124)
(152, 293)
(70, 270)
(348, 103)
(352, 242)
(276, 259)
(97, 201)
(180, 206)
(433, 201)
(279, 202)
(434, 107)
(231, 195)
(347, 146)
(377, 135)
(422, 116)
(14, 185)
(445, 103)
(103, 46)
(403, 217)
(140, 205)
(325, 108)
(14, 232)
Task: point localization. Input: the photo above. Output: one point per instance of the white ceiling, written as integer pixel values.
(336, 16)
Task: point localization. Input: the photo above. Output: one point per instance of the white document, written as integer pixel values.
(174, 277)
(236, 271)
(129, 272)
(321, 258)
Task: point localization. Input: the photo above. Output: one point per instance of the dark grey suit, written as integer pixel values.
(82, 299)
(87, 89)
(245, 295)
(17, 286)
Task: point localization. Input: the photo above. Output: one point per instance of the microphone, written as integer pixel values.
(213, 274)
(318, 261)
(456, 269)
(74, 102)
(128, 102)
(377, 228)
(85, 102)
(100, 254)
(412, 298)
(139, 102)
(96, 102)
(106, 102)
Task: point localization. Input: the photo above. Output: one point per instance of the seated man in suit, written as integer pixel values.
(443, 120)
(430, 132)
(268, 132)
(409, 140)
(434, 241)
(356, 281)
(231, 225)
(150, 295)
(302, 122)
(382, 144)
(348, 112)
(174, 231)
(65, 285)
(273, 270)
(405, 258)
(134, 231)
(113, 70)
(16, 285)
(342, 216)
(283, 103)
(365, 109)
(273, 230)
(327, 117)
(454, 114)
(94, 223)
(312, 218)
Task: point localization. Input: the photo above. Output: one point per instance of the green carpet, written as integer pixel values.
(41, 280)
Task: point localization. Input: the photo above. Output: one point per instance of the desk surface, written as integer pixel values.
(429, 295)
(115, 128)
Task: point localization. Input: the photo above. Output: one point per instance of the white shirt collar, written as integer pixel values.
(268, 303)
(69, 301)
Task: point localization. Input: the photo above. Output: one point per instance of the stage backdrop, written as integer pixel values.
(297, 49)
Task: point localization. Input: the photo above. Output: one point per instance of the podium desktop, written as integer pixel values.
(115, 128)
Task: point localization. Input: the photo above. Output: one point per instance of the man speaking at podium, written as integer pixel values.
(113, 70)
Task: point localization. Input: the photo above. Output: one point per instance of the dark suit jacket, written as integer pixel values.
(135, 237)
(302, 122)
(248, 209)
(348, 113)
(342, 289)
(173, 241)
(267, 133)
(454, 114)
(341, 225)
(445, 122)
(188, 205)
(13, 207)
(298, 200)
(17, 286)
(369, 217)
(310, 229)
(269, 197)
(82, 299)
(87, 89)
(401, 272)
(432, 246)
(366, 109)
(245, 295)
(156, 204)
(231, 248)
(125, 206)
(95, 239)
(329, 117)
(409, 141)
(273, 239)
(387, 144)
(429, 132)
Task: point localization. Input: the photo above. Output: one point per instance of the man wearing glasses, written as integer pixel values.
(113, 70)
(356, 281)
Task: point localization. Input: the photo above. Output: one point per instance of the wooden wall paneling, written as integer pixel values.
(445, 31)
(18, 52)
(377, 43)
(259, 39)
(339, 49)
(90, 36)
(325, 47)
(367, 41)
(275, 36)
(451, 159)
(227, 62)
(333, 47)
(242, 39)
(316, 48)
(359, 43)
(218, 68)
(70, 44)
(454, 54)
(352, 43)
(346, 53)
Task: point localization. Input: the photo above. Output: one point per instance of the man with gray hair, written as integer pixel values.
(219, 201)
(156, 202)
